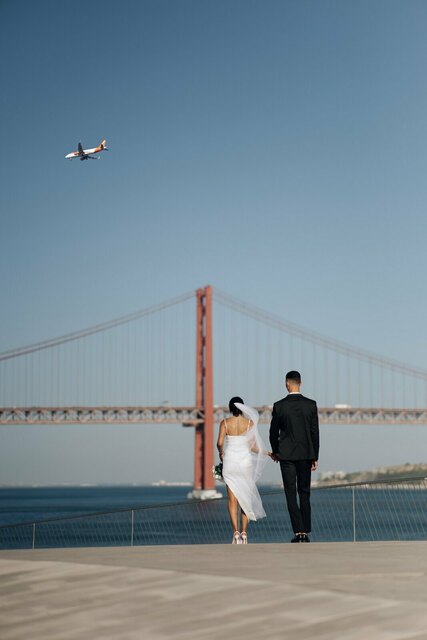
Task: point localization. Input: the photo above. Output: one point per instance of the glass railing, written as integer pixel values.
(388, 510)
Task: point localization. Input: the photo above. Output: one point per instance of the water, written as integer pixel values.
(31, 504)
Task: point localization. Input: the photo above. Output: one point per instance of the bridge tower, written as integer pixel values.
(204, 483)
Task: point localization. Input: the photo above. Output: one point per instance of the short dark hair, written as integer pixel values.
(233, 409)
(295, 376)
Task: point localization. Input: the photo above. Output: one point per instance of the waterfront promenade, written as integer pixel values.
(346, 591)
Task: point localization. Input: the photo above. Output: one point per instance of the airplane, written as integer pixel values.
(86, 154)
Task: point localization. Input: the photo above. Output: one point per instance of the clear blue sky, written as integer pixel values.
(273, 149)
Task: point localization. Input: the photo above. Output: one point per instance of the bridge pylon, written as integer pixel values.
(204, 483)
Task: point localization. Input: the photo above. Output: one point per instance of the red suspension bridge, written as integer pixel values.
(140, 369)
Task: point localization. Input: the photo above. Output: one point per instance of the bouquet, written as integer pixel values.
(217, 472)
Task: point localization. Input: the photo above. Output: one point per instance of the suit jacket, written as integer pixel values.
(294, 430)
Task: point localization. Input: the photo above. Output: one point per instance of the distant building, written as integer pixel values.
(332, 475)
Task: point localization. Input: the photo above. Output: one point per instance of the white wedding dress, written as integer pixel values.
(243, 462)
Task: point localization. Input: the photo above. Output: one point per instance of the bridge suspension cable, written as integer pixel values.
(318, 339)
(76, 335)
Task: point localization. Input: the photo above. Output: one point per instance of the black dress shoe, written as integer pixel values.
(296, 538)
(304, 538)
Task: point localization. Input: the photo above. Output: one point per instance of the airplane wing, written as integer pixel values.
(80, 148)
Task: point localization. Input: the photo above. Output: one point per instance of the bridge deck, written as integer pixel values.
(191, 416)
(319, 591)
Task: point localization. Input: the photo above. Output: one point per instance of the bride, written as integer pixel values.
(243, 454)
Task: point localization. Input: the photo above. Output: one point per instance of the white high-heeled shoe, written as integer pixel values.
(244, 537)
(236, 538)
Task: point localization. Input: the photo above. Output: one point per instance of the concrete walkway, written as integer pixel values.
(345, 591)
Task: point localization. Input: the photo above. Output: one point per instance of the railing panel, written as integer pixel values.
(16, 537)
(391, 511)
(103, 530)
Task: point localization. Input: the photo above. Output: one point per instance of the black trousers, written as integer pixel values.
(296, 476)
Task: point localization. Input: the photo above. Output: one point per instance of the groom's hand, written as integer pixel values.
(314, 465)
(274, 457)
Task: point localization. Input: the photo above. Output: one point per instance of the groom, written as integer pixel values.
(294, 439)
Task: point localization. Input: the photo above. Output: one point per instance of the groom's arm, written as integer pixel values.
(314, 428)
(274, 432)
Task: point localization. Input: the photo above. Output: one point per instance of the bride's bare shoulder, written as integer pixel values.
(232, 424)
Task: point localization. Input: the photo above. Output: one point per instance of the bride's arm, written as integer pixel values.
(253, 441)
(254, 446)
(221, 438)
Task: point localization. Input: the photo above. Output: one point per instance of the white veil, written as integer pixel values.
(258, 449)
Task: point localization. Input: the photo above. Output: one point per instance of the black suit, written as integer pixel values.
(294, 438)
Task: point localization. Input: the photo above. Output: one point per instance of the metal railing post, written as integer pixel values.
(131, 537)
(354, 515)
(34, 535)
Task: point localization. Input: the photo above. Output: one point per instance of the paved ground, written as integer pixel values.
(346, 591)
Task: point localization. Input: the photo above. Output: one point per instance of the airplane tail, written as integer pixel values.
(103, 144)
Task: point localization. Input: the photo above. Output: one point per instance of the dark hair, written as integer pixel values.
(295, 376)
(233, 409)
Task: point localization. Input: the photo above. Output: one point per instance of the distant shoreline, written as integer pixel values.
(404, 471)
(382, 474)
